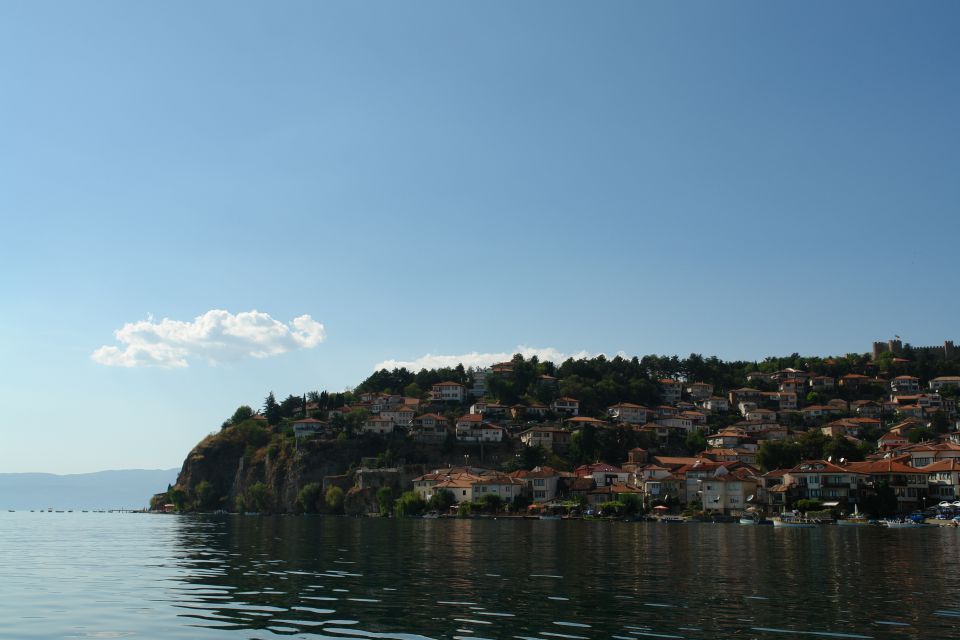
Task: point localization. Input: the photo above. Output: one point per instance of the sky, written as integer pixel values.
(204, 202)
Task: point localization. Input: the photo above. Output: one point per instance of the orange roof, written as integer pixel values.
(883, 466)
(820, 466)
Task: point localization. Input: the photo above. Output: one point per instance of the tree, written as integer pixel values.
(921, 434)
(778, 454)
(939, 423)
(293, 406)
(385, 500)
(259, 497)
(811, 444)
(491, 503)
(242, 413)
(334, 499)
(178, 498)
(206, 498)
(839, 447)
(309, 497)
(696, 441)
(805, 505)
(442, 500)
(410, 504)
(272, 410)
(528, 457)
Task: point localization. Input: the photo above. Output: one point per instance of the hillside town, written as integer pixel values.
(811, 436)
(900, 432)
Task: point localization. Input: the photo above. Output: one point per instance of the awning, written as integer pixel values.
(831, 504)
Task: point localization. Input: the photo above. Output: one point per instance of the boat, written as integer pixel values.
(673, 520)
(550, 517)
(857, 519)
(789, 521)
(907, 523)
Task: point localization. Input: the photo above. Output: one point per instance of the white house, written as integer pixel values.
(448, 392)
(629, 412)
(570, 406)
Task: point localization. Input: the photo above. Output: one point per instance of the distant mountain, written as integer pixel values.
(128, 489)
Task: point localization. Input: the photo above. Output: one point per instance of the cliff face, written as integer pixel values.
(232, 464)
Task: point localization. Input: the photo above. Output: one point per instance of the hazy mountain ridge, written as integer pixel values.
(119, 489)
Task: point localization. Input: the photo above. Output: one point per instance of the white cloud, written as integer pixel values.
(216, 336)
(475, 359)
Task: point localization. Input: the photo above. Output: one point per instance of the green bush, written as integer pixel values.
(334, 499)
(410, 504)
(308, 500)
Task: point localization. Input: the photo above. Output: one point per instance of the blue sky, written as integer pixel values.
(741, 179)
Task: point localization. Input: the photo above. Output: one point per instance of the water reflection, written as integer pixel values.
(251, 577)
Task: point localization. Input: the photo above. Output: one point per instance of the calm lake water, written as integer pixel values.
(149, 576)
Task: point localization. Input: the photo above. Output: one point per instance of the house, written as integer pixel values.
(550, 438)
(943, 479)
(503, 369)
(398, 414)
(924, 454)
(308, 427)
(429, 428)
(500, 485)
(583, 421)
(744, 394)
(821, 383)
(816, 411)
(892, 440)
(786, 400)
(602, 473)
(670, 390)
(793, 385)
(540, 483)
(677, 422)
(853, 380)
(729, 437)
(716, 404)
(569, 406)
(728, 454)
(772, 491)
(824, 480)
(761, 415)
(489, 409)
(665, 410)
(699, 391)
(448, 392)
(866, 408)
(905, 385)
(944, 382)
(909, 484)
(472, 428)
(662, 487)
(696, 418)
(468, 484)
(611, 493)
(728, 493)
(479, 388)
(629, 412)
(377, 425)
(911, 411)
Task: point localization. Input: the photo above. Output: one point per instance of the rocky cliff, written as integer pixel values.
(265, 470)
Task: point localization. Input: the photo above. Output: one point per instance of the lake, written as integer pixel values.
(102, 575)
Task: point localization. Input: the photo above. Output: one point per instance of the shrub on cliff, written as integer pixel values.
(259, 497)
(334, 499)
(410, 504)
(308, 500)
